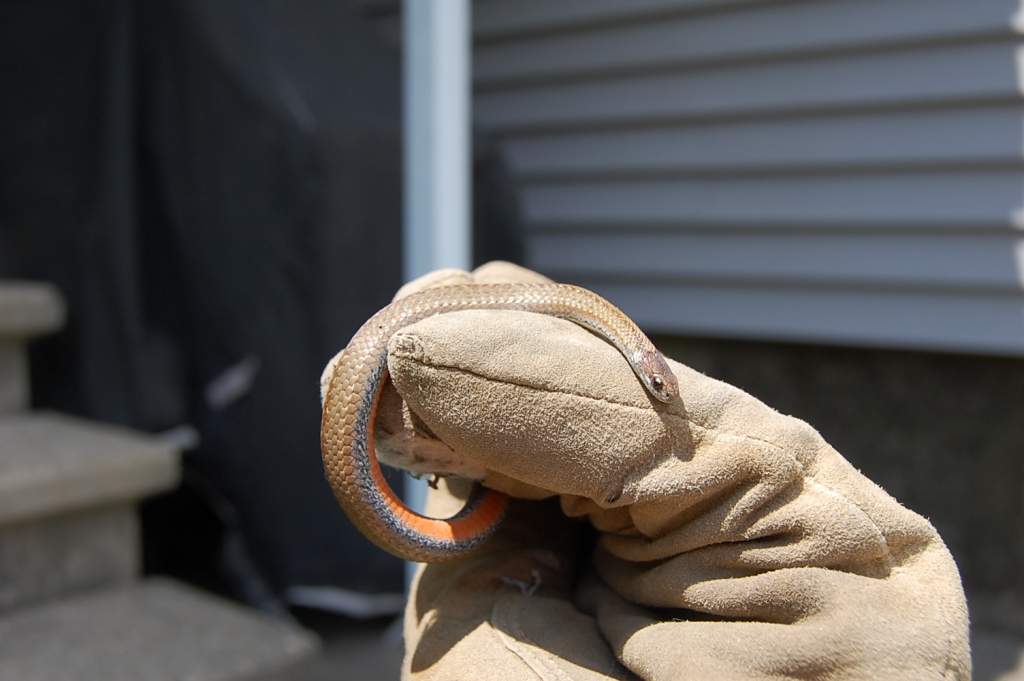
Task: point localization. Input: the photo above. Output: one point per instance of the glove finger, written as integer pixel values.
(501, 272)
(532, 397)
(403, 440)
(443, 277)
(494, 272)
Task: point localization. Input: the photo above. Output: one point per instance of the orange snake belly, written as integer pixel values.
(354, 388)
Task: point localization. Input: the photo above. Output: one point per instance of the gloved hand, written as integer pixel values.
(731, 541)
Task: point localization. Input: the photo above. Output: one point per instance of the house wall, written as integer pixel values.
(847, 171)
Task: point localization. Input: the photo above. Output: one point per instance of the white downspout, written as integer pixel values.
(436, 224)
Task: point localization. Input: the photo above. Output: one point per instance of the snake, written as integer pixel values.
(360, 372)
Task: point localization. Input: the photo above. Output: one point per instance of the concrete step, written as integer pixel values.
(157, 630)
(68, 491)
(27, 310)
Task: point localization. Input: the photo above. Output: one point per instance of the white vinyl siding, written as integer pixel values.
(840, 171)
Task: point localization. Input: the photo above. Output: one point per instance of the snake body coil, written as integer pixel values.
(353, 392)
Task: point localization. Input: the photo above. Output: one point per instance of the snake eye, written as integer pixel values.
(657, 383)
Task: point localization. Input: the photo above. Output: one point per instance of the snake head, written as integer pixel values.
(656, 375)
(662, 386)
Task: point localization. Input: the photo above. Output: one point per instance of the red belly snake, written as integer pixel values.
(354, 388)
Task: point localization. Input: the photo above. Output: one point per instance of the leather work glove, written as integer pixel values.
(713, 538)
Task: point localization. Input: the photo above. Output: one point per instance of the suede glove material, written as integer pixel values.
(732, 542)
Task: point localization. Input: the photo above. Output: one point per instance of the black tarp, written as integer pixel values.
(216, 189)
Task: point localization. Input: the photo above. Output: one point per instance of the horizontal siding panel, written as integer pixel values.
(921, 320)
(934, 75)
(971, 199)
(503, 18)
(758, 31)
(959, 135)
(835, 171)
(989, 262)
